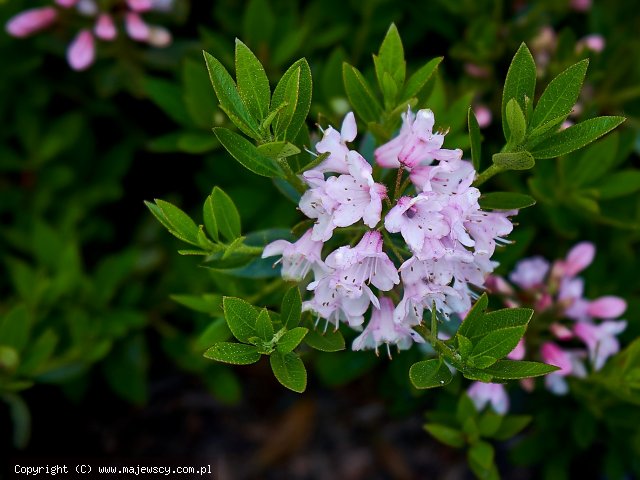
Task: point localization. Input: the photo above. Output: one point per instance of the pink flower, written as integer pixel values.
(297, 258)
(159, 37)
(335, 144)
(476, 71)
(593, 42)
(446, 178)
(489, 393)
(140, 5)
(382, 329)
(578, 258)
(560, 331)
(483, 116)
(519, 352)
(31, 21)
(81, 51)
(137, 29)
(581, 5)
(105, 29)
(530, 273)
(600, 339)
(416, 219)
(357, 195)
(366, 262)
(66, 3)
(554, 355)
(415, 144)
(333, 305)
(489, 228)
(569, 363)
(607, 307)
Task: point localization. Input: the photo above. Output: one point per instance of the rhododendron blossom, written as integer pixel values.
(431, 245)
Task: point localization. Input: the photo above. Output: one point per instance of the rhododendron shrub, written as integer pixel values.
(398, 233)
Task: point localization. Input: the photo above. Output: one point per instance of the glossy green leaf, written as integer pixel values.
(179, 223)
(464, 346)
(233, 353)
(429, 374)
(264, 327)
(390, 58)
(575, 137)
(360, 94)
(447, 435)
(278, 150)
(475, 139)
(520, 83)
(561, 95)
(226, 214)
(289, 370)
(516, 121)
(496, 344)
(229, 98)
(253, 84)
(473, 320)
(516, 369)
(325, 342)
(291, 308)
(505, 201)
(304, 87)
(209, 217)
(419, 79)
(241, 318)
(247, 153)
(478, 326)
(291, 339)
(514, 160)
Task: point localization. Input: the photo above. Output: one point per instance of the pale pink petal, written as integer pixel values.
(81, 51)
(140, 5)
(66, 3)
(349, 128)
(105, 29)
(28, 22)
(159, 37)
(137, 29)
(579, 258)
(607, 307)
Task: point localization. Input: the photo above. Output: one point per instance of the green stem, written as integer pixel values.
(487, 174)
(393, 248)
(396, 192)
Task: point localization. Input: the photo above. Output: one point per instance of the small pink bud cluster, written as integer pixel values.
(81, 52)
(581, 329)
(449, 240)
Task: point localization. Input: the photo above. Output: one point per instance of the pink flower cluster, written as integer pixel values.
(579, 329)
(81, 52)
(440, 227)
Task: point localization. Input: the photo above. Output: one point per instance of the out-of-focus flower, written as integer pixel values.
(483, 115)
(82, 51)
(31, 21)
(105, 29)
(489, 393)
(600, 339)
(594, 42)
(580, 5)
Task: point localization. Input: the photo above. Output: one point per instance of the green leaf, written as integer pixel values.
(473, 319)
(291, 308)
(575, 137)
(15, 327)
(253, 84)
(198, 98)
(511, 425)
(593, 163)
(514, 160)
(542, 131)
(247, 153)
(258, 22)
(327, 342)
(290, 98)
(264, 327)
(497, 343)
(464, 346)
(226, 214)
(475, 139)
(465, 408)
(561, 95)
(304, 87)
(516, 121)
(289, 370)
(217, 331)
(447, 435)
(20, 417)
(209, 216)
(241, 318)
(179, 223)
(291, 339)
(233, 353)
(360, 95)
(278, 150)
(489, 423)
(516, 369)
(482, 361)
(475, 327)
(419, 79)
(229, 98)
(429, 374)
(481, 455)
(505, 201)
(519, 84)
(624, 182)
(391, 56)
